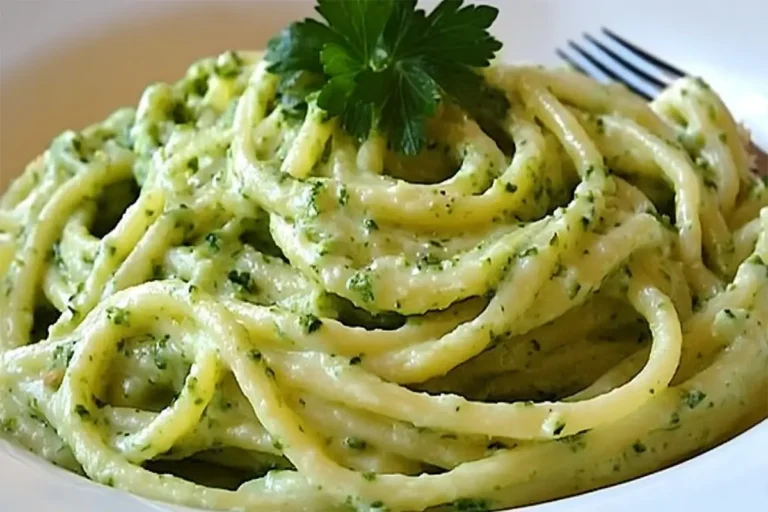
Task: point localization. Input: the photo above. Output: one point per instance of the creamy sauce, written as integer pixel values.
(211, 280)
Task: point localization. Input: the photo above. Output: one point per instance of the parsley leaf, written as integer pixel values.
(297, 48)
(458, 34)
(358, 22)
(386, 65)
(414, 95)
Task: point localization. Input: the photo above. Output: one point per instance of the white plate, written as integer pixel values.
(67, 64)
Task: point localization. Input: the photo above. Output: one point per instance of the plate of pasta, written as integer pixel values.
(370, 259)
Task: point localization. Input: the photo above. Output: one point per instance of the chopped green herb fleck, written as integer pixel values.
(355, 443)
(212, 239)
(361, 283)
(82, 411)
(62, 355)
(310, 323)
(9, 425)
(574, 291)
(575, 443)
(228, 64)
(118, 316)
(693, 398)
(343, 196)
(242, 280)
(471, 505)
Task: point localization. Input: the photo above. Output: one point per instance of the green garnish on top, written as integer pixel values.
(386, 65)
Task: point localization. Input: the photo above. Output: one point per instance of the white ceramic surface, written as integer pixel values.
(66, 63)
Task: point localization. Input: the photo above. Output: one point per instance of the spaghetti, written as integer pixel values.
(213, 281)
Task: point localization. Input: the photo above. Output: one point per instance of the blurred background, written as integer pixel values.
(68, 63)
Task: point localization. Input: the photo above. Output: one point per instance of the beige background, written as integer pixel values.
(83, 75)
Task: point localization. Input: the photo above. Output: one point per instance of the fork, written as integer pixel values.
(616, 67)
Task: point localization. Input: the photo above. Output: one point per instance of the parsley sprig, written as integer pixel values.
(387, 65)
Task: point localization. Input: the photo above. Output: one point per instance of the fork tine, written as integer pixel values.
(760, 166)
(628, 65)
(666, 66)
(608, 71)
(575, 65)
